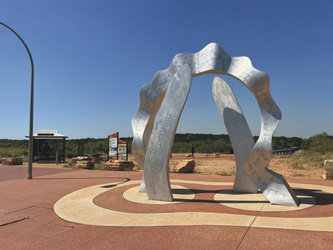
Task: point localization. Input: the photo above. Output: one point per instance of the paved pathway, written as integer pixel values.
(82, 209)
(21, 171)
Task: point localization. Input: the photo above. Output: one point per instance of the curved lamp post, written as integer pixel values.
(31, 103)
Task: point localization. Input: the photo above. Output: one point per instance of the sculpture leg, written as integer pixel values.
(156, 166)
(142, 188)
(143, 123)
(239, 133)
(273, 185)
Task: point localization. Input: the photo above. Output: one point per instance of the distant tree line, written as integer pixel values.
(183, 143)
(7, 143)
(202, 143)
(13, 148)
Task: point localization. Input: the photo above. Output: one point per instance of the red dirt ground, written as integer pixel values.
(225, 164)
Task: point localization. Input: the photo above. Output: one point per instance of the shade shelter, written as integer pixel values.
(49, 146)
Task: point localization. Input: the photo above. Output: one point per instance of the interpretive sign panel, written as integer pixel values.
(122, 147)
(113, 144)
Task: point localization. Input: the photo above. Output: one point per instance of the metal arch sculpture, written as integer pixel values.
(239, 133)
(167, 94)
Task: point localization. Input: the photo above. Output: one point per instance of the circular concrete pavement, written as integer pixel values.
(79, 207)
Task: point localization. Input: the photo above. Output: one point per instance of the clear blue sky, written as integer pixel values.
(92, 57)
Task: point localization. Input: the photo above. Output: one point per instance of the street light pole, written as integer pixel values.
(31, 103)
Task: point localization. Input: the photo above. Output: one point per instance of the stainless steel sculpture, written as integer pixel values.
(251, 159)
(152, 139)
(239, 132)
(156, 169)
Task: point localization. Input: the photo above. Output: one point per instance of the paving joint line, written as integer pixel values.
(79, 246)
(56, 224)
(15, 221)
(139, 217)
(18, 210)
(27, 208)
(249, 227)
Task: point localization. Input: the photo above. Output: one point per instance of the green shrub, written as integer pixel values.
(13, 152)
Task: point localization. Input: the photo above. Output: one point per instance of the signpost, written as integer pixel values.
(80, 149)
(113, 145)
(117, 147)
(122, 148)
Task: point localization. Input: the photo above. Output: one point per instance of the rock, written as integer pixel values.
(328, 170)
(80, 158)
(12, 161)
(184, 166)
(18, 161)
(119, 165)
(96, 158)
(84, 164)
(7, 161)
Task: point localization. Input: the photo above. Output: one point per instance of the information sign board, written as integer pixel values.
(113, 144)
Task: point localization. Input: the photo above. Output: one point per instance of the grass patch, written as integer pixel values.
(300, 175)
(203, 171)
(13, 152)
(298, 166)
(225, 173)
(217, 163)
(317, 165)
(69, 165)
(307, 160)
(310, 156)
(99, 166)
(218, 172)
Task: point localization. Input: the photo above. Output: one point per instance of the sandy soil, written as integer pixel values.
(226, 165)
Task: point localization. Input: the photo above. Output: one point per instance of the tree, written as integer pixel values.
(321, 143)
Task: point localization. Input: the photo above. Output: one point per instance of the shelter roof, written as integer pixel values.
(48, 134)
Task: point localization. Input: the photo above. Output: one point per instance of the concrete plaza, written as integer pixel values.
(84, 209)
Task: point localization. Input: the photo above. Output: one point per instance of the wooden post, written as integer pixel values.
(57, 154)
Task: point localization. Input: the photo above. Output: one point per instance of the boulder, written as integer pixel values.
(96, 158)
(12, 161)
(7, 161)
(18, 161)
(80, 158)
(328, 170)
(184, 166)
(84, 164)
(119, 165)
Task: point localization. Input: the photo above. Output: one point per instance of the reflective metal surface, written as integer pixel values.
(239, 132)
(156, 169)
(212, 59)
(250, 170)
